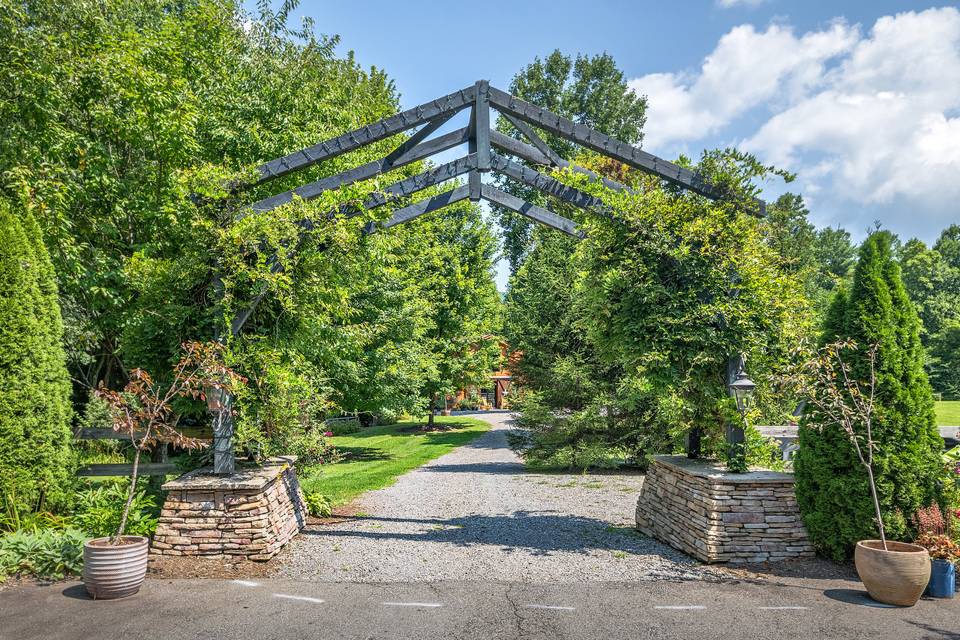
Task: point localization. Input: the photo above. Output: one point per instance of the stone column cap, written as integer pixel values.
(252, 478)
(714, 471)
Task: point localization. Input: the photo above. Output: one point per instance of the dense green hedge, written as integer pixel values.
(35, 456)
(832, 487)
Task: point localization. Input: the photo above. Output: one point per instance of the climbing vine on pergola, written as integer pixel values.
(488, 151)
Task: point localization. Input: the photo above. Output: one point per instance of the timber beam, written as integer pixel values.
(531, 211)
(369, 170)
(550, 186)
(403, 121)
(601, 143)
(417, 209)
(534, 156)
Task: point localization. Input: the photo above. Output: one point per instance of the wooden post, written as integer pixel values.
(223, 459)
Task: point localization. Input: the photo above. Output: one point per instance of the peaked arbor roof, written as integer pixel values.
(488, 151)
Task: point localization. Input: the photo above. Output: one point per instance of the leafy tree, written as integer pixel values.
(835, 252)
(116, 107)
(831, 489)
(538, 320)
(680, 285)
(806, 251)
(944, 356)
(660, 298)
(462, 302)
(35, 456)
(590, 90)
(948, 245)
(932, 284)
(791, 234)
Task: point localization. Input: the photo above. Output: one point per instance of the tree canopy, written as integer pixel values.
(589, 90)
(126, 122)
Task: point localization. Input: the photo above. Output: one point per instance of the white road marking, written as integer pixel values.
(301, 598)
(413, 604)
(246, 583)
(680, 607)
(551, 607)
(782, 608)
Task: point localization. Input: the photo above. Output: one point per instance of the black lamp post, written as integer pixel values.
(741, 387)
(742, 391)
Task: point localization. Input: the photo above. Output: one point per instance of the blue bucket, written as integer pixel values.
(943, 579)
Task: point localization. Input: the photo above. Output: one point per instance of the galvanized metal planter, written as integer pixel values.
(114, 571)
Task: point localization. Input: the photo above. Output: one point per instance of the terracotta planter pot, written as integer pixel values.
(114, 571)
(898, 575)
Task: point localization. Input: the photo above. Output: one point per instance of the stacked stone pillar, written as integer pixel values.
(251, 513)
(713, 515)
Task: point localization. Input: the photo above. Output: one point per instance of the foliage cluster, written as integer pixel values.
(318, 505)
(35, 412)
(832, 491)
(124, 123)
(98, 509)
(648, 310)
(48, 554)
(932, 279)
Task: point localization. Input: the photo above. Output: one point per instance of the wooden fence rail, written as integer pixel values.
(158, 467)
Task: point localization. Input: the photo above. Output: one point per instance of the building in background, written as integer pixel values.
(495, 394)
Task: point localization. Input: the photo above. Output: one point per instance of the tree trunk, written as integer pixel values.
(433, 409)
(130, 494)
(876, 506)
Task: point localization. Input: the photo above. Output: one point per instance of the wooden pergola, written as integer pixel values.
(488, 151)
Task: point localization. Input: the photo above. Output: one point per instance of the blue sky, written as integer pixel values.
(861, 99)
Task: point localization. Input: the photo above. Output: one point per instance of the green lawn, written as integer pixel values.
(948, 413)
(376, 456)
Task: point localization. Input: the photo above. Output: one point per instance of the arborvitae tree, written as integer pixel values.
(35, 454)
(832, 488)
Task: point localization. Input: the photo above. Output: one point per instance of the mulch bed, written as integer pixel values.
(199, 567)
(811, 569)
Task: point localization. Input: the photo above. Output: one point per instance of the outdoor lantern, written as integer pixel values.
(742, 389)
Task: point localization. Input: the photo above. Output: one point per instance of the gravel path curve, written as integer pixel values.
(476, 514)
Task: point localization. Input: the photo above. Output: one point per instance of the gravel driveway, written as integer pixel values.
(475, 513)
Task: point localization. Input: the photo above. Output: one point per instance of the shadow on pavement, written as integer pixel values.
(539, 532)
(807, 568)
(943, 634)
(858, 597)
(77, 592)
(477, 467)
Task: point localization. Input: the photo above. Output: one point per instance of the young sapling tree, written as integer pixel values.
(144, 409)
(841, 400)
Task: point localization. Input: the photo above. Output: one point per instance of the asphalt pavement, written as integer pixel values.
(287, 609)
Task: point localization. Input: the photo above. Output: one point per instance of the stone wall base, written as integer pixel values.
(251, 513)
(717, 516)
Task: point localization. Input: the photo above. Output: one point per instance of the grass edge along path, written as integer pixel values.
(948, 413)
(377, 456)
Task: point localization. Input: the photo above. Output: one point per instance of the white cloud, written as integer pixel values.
(746, 69)
(864, 118)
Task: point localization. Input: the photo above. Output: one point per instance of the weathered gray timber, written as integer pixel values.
(404, 121)
(532, 211)
(124, 469)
